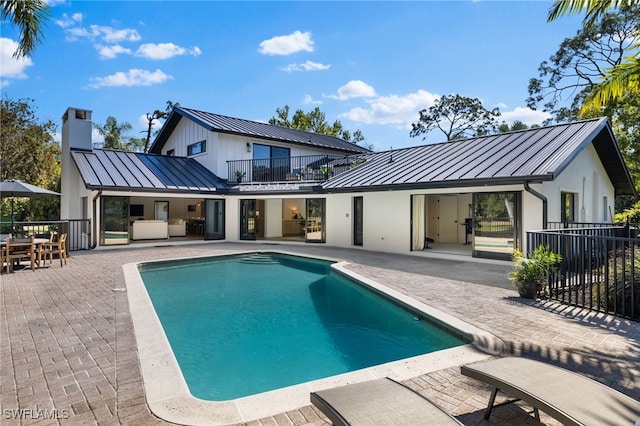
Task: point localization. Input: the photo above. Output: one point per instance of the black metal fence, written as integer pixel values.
(600, 268)
(78, 231)
(305, 168)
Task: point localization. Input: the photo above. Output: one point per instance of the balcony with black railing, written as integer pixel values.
(283, 169)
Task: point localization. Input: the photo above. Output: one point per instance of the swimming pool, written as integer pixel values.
(232, 323)
(169, 397)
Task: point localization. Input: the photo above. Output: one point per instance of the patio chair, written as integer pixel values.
(377, 403)
(43, 251)
(564, 395)
(17, 249)
(52, 248)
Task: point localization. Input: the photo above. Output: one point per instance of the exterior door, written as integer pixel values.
(161, 210)
(214, 220)
(248, 222)
(357, 220)
(448, 219)
(314, 229)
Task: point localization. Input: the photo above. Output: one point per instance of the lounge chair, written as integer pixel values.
(564, 395)
(379, 402)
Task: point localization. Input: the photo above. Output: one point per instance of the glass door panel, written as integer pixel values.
(248, 222)
(214, 220)
(314, 229)
(496, 224)
(114, 221)
(161, 210)
(357, 220)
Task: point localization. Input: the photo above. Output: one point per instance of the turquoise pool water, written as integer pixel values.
(243, 324)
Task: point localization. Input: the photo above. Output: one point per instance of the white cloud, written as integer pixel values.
(526, 115)
(307, 66)
(392, 109)
(165, 51)
(106, 34)
(68, 21)
(110, 52)
(354, 89)
(287, 44)
(308, 100)
(11, 67)
(133, 77)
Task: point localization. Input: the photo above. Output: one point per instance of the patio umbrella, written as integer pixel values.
(12, 188)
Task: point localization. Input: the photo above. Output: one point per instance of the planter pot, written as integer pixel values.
(528, 290)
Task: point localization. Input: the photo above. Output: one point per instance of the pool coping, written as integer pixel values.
(168, 395)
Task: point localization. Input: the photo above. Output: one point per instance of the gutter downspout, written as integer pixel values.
(544, 203)
(94, 243)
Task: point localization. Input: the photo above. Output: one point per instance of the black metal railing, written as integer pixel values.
(600, 268)
(279, 169)
(78, 231)
(493, 226)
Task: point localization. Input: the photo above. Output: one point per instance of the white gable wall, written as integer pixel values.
(586, 177)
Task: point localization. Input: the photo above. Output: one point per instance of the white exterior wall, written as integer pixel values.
(586, 177)
(76, 133)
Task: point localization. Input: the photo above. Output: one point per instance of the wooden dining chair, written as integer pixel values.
(44, 250)
(52, 248)
(17, 249)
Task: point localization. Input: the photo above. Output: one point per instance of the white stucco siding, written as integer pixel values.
(339, 218)
(587, 178)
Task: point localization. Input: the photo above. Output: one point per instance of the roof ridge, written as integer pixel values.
(453, 141)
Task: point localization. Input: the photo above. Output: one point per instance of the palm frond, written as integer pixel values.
(619, 80)
(593, 9)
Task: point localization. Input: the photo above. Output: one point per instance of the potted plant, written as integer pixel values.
(239, 175)
(529, 275)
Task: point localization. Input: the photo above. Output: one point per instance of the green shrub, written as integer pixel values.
(621, 285)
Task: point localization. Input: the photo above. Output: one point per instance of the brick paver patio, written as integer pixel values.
(68, 353)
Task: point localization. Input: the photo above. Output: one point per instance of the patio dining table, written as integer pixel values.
(33, 246)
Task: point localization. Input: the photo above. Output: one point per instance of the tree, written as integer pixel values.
(581, 63)
(457, 117)
(113, 135)
(29, 153)
(504, 127)
(155, 116)
(622, 77)
(315, 121)
(28, 16)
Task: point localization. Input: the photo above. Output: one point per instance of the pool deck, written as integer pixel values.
(68, 353)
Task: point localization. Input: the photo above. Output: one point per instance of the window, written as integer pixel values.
(270, 163)
(568, 207)
(171, 152)
(197, 148)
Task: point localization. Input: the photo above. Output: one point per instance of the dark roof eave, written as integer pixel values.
(219, 191)
(445, 184)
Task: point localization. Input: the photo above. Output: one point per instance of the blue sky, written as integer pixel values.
(371, 65)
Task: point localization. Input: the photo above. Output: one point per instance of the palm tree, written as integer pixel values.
(112, 133)
(28, 16)
(619, 80)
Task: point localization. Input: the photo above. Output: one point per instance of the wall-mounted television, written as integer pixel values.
(136, 210)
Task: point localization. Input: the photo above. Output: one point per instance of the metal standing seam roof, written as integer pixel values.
(238, 126)
(538, 154)
(135, 171)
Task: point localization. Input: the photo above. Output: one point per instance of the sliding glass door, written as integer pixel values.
(496, 224)
(248, 219)
(314, 229)
(214, 220)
